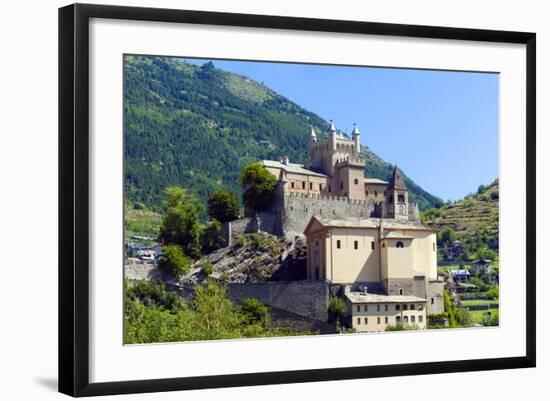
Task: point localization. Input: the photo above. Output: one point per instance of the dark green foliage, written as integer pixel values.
(254, 312)
(223, 205)
(447, 236)
(181, 224)
(211, 238)
(149, 293)
(258, 187)
(174, 260)
(199, 126)
(337, 309)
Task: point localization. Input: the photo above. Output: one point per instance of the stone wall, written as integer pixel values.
(304, 298)
(434, 291)
(298, 208)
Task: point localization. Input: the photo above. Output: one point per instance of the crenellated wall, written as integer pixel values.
(298, 208)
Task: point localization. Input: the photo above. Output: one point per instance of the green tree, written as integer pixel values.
(181, 224)
(174, 260)
(211, 238)
(258, 186)
(483, 252)
(223, 206)
(337, 309)
(447, 236)
(253, 311)
(449, 308)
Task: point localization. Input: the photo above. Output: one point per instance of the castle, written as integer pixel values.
(362, 234)
(334, 185)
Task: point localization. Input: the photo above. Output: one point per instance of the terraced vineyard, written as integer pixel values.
(474, 218)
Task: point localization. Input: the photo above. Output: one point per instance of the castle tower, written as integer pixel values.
(312, 135)
(398, 197)
(332, 135)
(356, 136)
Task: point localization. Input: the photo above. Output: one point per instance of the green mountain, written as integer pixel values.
(197, 126)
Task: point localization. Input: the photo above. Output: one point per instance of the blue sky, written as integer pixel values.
(440, 127)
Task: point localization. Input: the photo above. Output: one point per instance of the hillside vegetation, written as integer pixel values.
(197, 126)
(473, 220)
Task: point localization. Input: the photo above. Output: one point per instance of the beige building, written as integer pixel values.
(372, 312)
(388, 263)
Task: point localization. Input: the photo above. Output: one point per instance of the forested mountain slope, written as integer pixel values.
(197, 126)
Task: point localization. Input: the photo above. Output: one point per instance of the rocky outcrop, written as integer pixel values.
(256, 257)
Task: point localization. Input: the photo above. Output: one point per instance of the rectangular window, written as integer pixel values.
(405, 307)
(432, 301)
(320, 187)
(386, 307)
(386, 320)
(355, 244)
(338, 244)
(397, 307)
(366, 307)
(310, 185)
(329, 189)
(303, 185)
(420, 319)
(366, 320)
(378, 308)
(378, 320)
(372, 245)
(412, 306)
(358, 308)
(400, 198)
(358, 320)
(292, 184)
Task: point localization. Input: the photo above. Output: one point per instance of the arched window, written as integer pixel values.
(405, 319)
(398, 320)
(420, 318)
(399, 244)
(375, 193)
(412, 319)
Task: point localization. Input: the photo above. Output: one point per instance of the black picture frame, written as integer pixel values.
(74, 198)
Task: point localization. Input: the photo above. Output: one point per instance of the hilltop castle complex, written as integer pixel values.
(362, 234)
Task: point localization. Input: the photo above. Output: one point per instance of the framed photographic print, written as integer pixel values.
(278, 199)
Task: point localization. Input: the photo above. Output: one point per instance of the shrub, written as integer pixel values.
(241, 241)
(337, 308)
(253, 311)
(207, 268)
(174, 260)
(256, 240)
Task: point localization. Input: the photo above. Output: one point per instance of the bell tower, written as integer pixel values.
(398, 197)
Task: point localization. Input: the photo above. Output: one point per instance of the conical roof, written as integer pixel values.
(397, 181)
(355, 131)
(312, 133)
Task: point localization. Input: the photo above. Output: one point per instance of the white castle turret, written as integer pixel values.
(332, 135)
(356, 135)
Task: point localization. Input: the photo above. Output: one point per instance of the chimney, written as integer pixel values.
(285, 160)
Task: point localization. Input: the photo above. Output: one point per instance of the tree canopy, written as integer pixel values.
(258, 187)
(223, 205)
